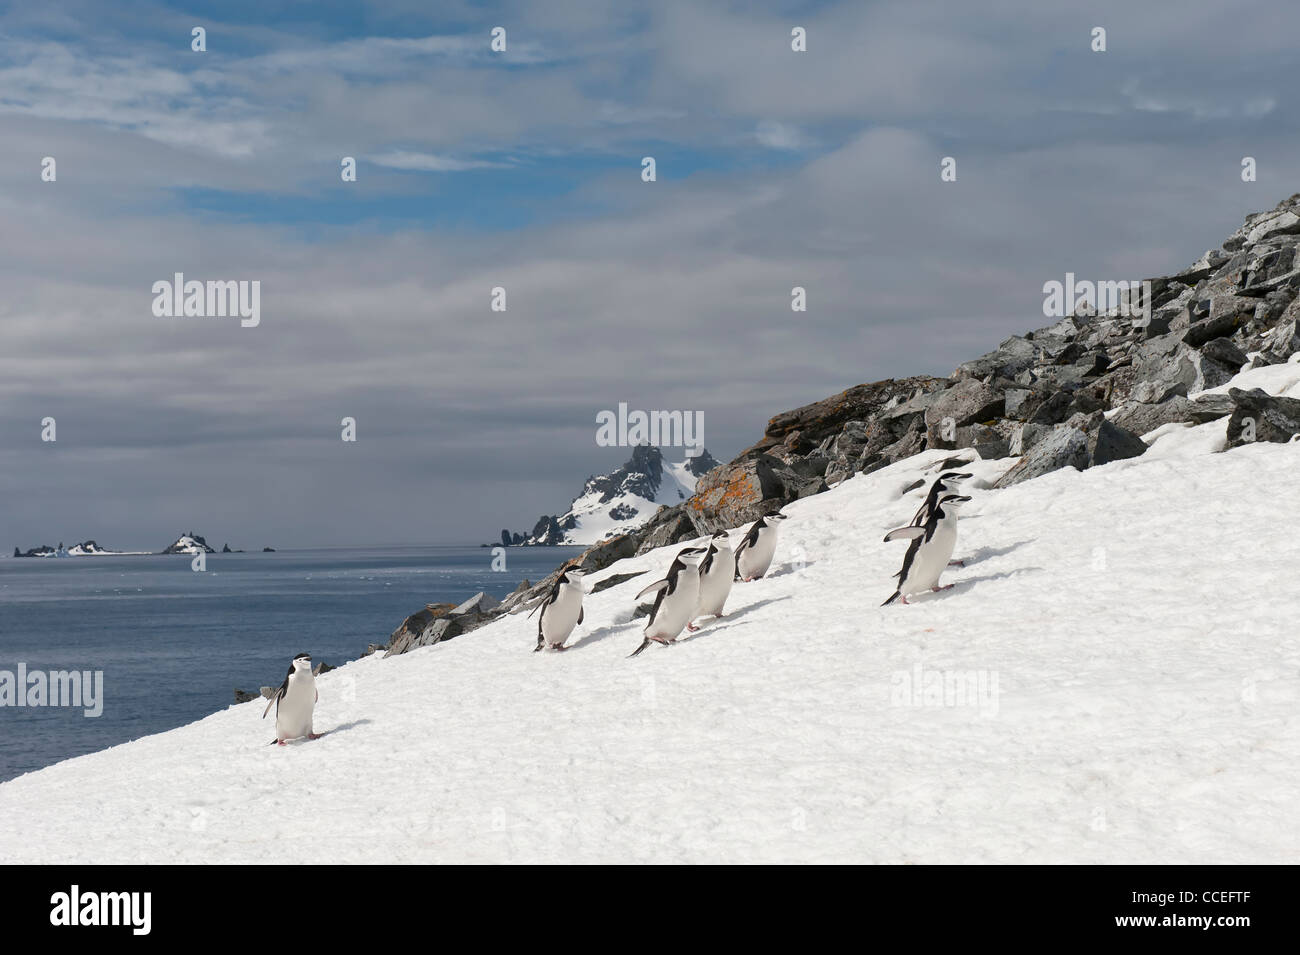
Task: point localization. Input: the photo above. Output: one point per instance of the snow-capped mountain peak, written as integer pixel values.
(614, 503)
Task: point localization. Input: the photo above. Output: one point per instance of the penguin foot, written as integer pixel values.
(944, 587)
(559, 649)
(314, 735)
(956, 563)
(280, 742)
(691, 627)
(904, 600)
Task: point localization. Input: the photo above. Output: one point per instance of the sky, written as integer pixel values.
(522, 170)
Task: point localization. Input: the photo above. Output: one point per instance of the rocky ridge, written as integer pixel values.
(1074, 393)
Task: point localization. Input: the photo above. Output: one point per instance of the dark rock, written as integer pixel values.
(613, 580)
(1142, 418)
(967, 402)
(1223, 351)
(1110, 442)
(1209, 408)
(243, 696)
(1009, 359)
(1273, 419)
(422, 629)
(1064, 446)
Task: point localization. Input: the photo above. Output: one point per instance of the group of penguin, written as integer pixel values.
(697, 584)
(699, 579)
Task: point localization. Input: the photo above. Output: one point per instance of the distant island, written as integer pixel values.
(189, 544)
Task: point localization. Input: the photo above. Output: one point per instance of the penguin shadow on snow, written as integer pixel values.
(784, 570)
(726, 622)
(595, 636)
(988, 553)
(958, 587)
(341, 728)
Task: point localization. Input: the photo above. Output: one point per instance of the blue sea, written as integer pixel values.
(174, 643)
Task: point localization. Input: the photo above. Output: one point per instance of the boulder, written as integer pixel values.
(1009, 359)
(1262, 415)
(1109, 442)
(967, 402)
(421, 629)
(1140, 418)
(1064, 446)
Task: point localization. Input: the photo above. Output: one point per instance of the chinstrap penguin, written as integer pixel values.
(946, 483)
(754, 553)
(677, 600)
(294, 701)
(717, 572)
(561, 611)
(930, 548)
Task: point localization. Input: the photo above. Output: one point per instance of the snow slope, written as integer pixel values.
(1137, 622)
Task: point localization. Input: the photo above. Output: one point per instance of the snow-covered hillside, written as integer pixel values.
(1127, 636)
(615, 503)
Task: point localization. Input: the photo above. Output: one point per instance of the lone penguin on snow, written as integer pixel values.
(930, 548)
(754, 553)
(294, 701)
(561, 611)
(679, 597)
(717, 571)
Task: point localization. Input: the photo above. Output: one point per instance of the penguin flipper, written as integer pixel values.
(910, 532)
(275, 698)
(895, 596)
(657, 585)
(580, 610)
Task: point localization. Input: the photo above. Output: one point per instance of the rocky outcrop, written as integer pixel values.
(189, 543)
(439, 622)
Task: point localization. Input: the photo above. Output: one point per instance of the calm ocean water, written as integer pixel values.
(173, 644)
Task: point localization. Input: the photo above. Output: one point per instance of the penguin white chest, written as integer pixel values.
(677, 608)
(715, 583)
(294, 712)
(932, 558)
(561, 615)
(755, 560)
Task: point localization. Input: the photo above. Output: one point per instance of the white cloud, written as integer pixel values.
(428, 162)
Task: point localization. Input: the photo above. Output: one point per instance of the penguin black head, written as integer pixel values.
(955, 476)
(778, 516)
(954, 500)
